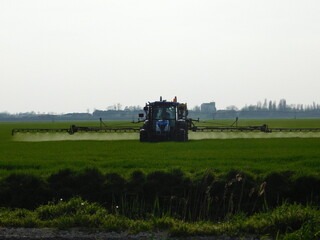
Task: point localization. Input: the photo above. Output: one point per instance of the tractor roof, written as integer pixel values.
(164, 103)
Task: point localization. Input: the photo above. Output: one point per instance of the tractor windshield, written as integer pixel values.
(164, 113)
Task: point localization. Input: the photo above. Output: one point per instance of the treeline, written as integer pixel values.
(281, 106)
(127, 114)
(266, 109)
(272, 109)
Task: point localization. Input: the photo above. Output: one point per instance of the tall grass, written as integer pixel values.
(288, 221)
(160, 194)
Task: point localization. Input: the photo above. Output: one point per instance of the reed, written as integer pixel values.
(161, 194)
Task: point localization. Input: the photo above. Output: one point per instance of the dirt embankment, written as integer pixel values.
(76, 234)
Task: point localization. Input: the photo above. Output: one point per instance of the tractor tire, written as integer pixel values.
(182, 135)
(143, 136)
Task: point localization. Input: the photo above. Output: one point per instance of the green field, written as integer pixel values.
(258, 156)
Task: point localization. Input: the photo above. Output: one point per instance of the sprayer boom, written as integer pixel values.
(165, 121)
(74, 129)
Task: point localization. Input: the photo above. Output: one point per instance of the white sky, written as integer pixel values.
(70, 56)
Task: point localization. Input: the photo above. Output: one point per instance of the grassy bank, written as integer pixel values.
(284, 222)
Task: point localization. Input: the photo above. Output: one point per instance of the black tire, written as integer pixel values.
(182, 135)
(186, 137)
(143, 135)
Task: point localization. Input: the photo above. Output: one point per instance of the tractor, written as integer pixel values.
(165, 121)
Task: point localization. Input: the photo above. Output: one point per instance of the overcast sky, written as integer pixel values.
(70, 56)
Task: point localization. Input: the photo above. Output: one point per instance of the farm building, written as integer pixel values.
(208, 107)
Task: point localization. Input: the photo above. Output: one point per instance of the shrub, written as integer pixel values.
(63, 184)
(23, 191)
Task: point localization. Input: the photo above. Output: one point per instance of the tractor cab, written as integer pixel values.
(165, 120)
(164, 116)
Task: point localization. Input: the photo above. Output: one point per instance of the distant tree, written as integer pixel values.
(259, 105)
(291, 107)
(252, 108)
(300, 107)
(265, 104)
(111, 107)
(4, 114)
(270, 106)
(119, 106)
(274, 106)
(137, 108)
(132, 108)
(282, 105)
(232, 108)
(245, 108)
(196, 108)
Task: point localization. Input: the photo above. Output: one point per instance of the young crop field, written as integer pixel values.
(43, 154)
(213, 177)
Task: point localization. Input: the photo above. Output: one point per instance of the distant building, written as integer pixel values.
(208, 107)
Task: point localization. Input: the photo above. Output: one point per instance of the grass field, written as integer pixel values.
(257, 156)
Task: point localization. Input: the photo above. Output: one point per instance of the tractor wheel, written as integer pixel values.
(143, 136)
(182, 135)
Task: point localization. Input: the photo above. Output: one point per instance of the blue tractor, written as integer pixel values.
(165, 121)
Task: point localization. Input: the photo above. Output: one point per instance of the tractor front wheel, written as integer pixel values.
(143, 136)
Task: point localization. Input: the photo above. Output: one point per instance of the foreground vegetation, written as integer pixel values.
(207, 197)
(285, 222)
